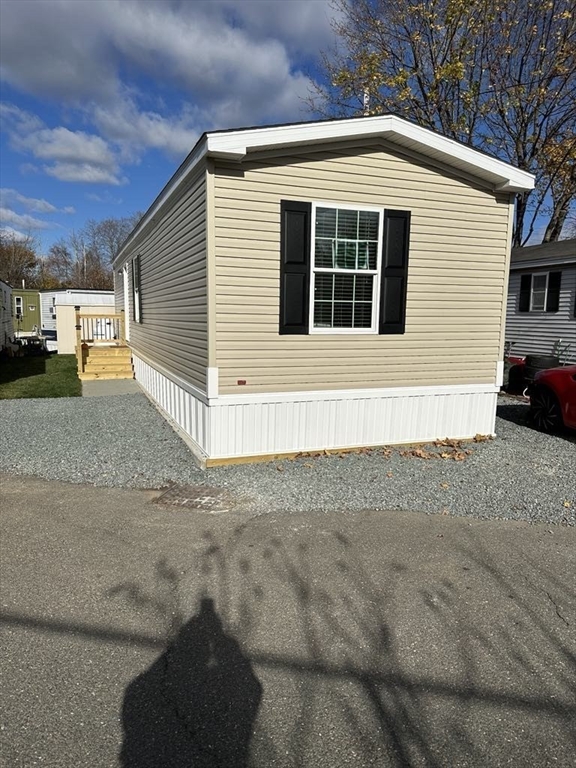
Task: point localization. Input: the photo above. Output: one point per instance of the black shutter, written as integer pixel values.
(294, 266)
(553, 297)
(394, 280)
(525, 289)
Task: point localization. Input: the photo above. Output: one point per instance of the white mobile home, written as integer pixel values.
(50, 300)
(322, 285)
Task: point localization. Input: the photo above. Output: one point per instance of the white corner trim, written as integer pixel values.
(499, 373)
(212, 383)
(352, 394)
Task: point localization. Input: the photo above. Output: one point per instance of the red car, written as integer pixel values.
(553, 398)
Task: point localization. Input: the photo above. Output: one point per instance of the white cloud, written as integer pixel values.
(152, 74)
(105, 198)
(133, 130)
(83, 172)
(63, 145)
(237, 62)
(24, 221)
(71, 155)
(13, 233)
(11, 196)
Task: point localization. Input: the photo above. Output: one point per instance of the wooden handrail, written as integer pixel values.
(79, 355)
(100, 327)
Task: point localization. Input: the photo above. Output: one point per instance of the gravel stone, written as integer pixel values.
(124, 441)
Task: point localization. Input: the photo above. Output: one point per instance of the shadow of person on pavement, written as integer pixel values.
(196, 705)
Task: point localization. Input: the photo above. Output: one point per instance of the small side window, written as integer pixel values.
(136, 293)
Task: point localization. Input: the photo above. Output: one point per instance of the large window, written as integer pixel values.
(18, 306)
(345, 267)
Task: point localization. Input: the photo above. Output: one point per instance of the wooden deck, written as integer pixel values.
(101, 349)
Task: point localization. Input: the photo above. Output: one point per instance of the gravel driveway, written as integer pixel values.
(123, 441)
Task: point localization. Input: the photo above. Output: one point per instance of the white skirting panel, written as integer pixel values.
(188, 412)
(227, 427)
(251, 429)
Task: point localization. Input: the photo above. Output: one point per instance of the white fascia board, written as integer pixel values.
(504, 177)
(235, 145)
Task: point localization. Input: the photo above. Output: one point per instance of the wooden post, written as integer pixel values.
(122, 329)
(79, 357)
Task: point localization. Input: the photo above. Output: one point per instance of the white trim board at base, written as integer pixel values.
(229, 430)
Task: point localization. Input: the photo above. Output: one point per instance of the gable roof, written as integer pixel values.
(238, 143)
(545, 254)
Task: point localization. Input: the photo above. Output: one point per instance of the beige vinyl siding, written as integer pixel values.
(173, 333)
(537, 332)
(456, 280)
(118, 290)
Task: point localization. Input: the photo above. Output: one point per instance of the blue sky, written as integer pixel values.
(102, 99)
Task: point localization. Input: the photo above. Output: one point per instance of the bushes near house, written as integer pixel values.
(42, 376)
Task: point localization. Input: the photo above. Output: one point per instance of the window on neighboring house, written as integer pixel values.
(18, 306)
(540, 292)
(343, 268)
(136, 296)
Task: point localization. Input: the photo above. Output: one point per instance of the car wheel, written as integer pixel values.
(545, 410)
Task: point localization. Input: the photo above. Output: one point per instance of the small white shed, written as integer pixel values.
(90, 302)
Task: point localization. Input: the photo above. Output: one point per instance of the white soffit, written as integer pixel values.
(504, 177)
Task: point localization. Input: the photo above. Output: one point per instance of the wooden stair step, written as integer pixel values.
(107, 352)
(112, 362)
(108, 369)
(86, 376)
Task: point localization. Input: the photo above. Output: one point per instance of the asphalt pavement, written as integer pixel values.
(142, 634)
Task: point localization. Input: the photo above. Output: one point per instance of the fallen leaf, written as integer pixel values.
(567, 504)
(389, 474)
(310, 466)
(280, 468)
(444, 485)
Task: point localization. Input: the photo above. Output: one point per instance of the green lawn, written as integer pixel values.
(43, 376)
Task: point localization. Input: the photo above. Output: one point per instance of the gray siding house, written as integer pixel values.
(322, 285)
(541, 313)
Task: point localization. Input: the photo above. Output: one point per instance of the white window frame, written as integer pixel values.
(18, 303)
(136, 288)
(376, 273)
(534, 275)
